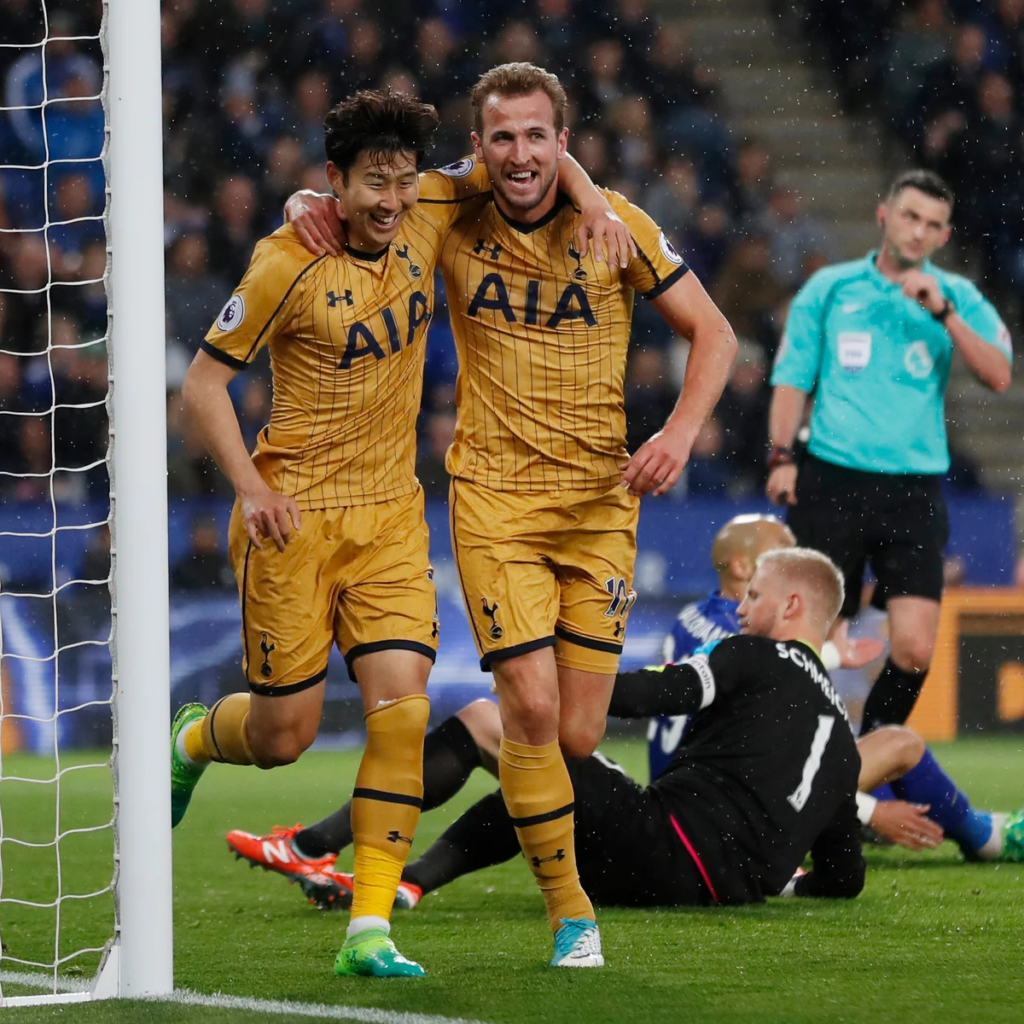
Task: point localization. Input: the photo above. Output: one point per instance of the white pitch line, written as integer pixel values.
(319, 1011)
(35, 979)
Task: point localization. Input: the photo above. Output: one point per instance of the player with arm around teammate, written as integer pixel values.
(328, 538)
(544, 498)
(873, 340)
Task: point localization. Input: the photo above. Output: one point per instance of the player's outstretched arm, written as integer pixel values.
(599, 223)
(687, 308)
(317, 221)
(654, 691)
(784, 419)
(905, 824)
(847, 653)
(264, 512)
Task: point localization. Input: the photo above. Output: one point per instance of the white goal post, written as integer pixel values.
(138, 960)
(141, 645)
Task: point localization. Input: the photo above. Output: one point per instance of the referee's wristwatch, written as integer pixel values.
(943, 314)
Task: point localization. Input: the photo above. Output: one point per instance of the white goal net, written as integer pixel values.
(83, 675)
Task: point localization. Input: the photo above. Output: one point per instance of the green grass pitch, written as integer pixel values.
(930, 939)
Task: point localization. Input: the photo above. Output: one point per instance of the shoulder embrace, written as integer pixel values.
(284, 248)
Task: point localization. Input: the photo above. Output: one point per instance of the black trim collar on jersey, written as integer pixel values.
(561, 201)
(370, 257)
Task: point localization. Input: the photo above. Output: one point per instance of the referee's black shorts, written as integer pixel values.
(626, 850)
(897, 523)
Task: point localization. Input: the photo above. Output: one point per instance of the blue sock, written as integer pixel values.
(927, 783)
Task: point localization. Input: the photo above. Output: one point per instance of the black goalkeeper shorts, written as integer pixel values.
(896, 523)
(626, 849)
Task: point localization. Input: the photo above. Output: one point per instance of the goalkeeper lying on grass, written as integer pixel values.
(470, 739)
(768, 772)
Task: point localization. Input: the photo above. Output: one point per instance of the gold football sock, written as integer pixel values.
(192, 740)
(386, 801)
(538, 794)
(222, 732)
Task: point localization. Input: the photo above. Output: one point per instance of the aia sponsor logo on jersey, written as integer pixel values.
(494, 293)
(362, 338)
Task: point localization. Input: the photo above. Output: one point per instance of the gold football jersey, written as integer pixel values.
(347, 338)
(541, 334)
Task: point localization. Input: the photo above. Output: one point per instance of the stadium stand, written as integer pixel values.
(719, 118)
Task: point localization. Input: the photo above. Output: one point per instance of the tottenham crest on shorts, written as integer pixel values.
(668, 250)
(459, 169)
(232, 314)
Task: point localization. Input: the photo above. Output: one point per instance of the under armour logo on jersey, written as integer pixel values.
(494, 251)
(496, 631)
(267, 647)
(394, 836)
(403, 254)
(559, 854)
(579, 273)
(333, 300)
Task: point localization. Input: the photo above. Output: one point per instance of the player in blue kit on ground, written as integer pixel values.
(873, 340)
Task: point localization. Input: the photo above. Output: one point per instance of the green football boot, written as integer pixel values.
(184, 773)
(372, 954)
(1013, 839)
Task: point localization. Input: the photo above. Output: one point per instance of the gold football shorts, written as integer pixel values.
(359, 577)
(546, 569)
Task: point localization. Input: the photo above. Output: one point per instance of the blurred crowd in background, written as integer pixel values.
(947, 77)
(246, 85)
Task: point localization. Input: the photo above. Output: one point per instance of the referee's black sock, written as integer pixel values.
(483, 836)
(892, 698)
(449, 756)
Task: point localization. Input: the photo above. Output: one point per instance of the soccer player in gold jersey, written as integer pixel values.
(327, 537)
(545, 497)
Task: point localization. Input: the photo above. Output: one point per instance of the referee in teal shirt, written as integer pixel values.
(872, 340)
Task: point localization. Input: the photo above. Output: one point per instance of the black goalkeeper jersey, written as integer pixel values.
(768, 769)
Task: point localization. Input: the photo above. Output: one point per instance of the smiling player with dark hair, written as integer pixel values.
(327, 538)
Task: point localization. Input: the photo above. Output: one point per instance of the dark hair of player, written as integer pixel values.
(927, 182)
(381, 124)
(518, 79)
